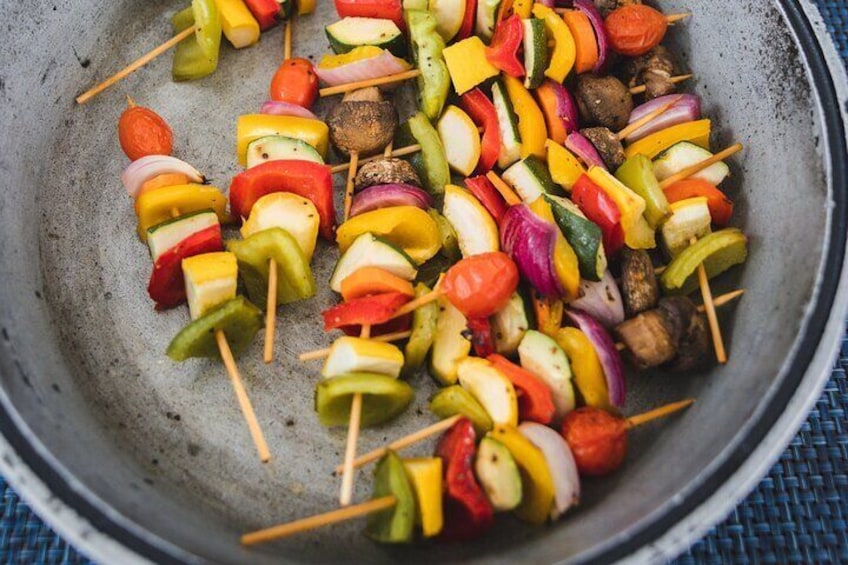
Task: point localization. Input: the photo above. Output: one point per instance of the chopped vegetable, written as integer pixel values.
(461, 140)
(498, 475)
(361, 63)
(584, 237)
(530, 242)
(427, 51)
(197, 56)
(561, 464)
(588, 374)
(425, 476)
(383, 398)
(635, 29)
(483, 189)
(531, 121)
(156, 206)
(598, 441)
(586, 43)
(535, 52)
(717, 251)
(167, 285)
(351, 32)
(409, 228)
(431, 163)
(542, 357)
(537, 484)
(607, 353)
(698, 132)
(395, 524)
(381, 9)
(368, 250)
(564, 52)
(380, 196)
(684, 108)
(145, 169)
(601, 300)
(295, 82)
(368, 310)
(721, 207)
(373, 280)
(637, 174)
(638, 282)
(637, 233)
(468, 65)
(253, 126)
(424, 321)
(502, 52)
(359, 355)
(559, 109)
(475, 228)
(483, 113)
(564, 167)
(535, 401)
(450, 346)
(481, 285)
(238, 24)
(295, 214)
(453, 400)
(237, 318)
(490, 388)
(280, 148)
(689, 219)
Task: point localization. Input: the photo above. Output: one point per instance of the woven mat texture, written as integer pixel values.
(798, 514)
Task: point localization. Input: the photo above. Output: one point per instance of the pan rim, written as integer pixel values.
(75, 511)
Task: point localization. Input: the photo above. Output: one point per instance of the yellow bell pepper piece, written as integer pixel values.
(637, 233)
(566, 265)
(523, 8)
(409, 228)
(698, 132)
(238, 24)
(305, 7)
(331, 61)
(531, 121)
(358, 355)
(467, 64)
(564, 52)
(155, 206)
(210, 279)
(564, 167)
(253, 126)
(586, 368)
(425, 475)
(537, 485)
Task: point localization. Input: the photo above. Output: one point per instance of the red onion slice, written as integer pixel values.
(597, 21)
(601, 300)
(388, 195)
(379, 66)
(687, 109)
(607, 353)
(141, 170)
(583, 148)
(529, 241)
(278, 108)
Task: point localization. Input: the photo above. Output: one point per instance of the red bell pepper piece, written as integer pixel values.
(488, 195)
(266, 12)
(368, 310)
(467, 27)
(721, 207)
(467, 511)
(381, 9)
(304, 178)
(167, 285)
(600, 208)
(535, 401)
(502, 53)
(482, 111)
(482, 338)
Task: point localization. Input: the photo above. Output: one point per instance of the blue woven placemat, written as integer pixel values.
(798, 514)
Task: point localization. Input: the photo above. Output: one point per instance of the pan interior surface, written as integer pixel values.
(157, 453)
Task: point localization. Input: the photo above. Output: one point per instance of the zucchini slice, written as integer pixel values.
(508, 125)
(368, 250)
(164, 236)
(280, 148)
(351, 32)
(535, 52)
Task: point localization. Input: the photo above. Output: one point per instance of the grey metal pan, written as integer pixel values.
(134, 458)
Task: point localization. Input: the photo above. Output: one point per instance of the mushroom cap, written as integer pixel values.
(363, 127)
(607, 144)
(604, 101)
(386, 171)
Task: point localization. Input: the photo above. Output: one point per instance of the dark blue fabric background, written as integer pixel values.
(796, 515)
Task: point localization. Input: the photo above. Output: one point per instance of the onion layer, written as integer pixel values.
(601, 300)
(529, 241)
(607, 353)
(388, 195)
(378, 66)
(687, 109)
(560, 462)
(597, 21)
(278, 108)
(583, 148)
(142, 170)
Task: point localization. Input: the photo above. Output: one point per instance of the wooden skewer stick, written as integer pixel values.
(243, 399)
(351, 177)
(674, 80)
(709, 307)
(342, 88)
(660, 412)
(387, 152)
(319, 521)
(271, 312)
(353, 427)
(647, 118)
(674, 18)
(134, 66)
(287, 39)
(323, 353)
(414, 305)
(698, 167)
(717, 302)
(402, 152)
(405, 441)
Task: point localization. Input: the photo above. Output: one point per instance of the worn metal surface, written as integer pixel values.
(157, 455)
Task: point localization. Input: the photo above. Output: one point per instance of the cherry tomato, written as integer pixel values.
(143, 132)
(295, 82)
(597, 439)
(481, 285)
(635, 29)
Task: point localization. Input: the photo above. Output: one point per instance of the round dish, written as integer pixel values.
(132, 457)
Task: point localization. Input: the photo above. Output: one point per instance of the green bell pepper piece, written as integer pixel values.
(395, 524)
(383, 398)
(455, 400)
(427, 46)
(294, 277)
(450, 242)
(237, 318)
(637, 173)
(423, 330)
(197, 56)
(718, 252)
(584, 236)
(431, 163)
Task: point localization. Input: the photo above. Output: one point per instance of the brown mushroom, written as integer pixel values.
(362, 123)
(648, 338)
(604, 101)
(693, 337)
(654, 70)
(639, 288)
(386, 171)
(607, 144)
(607, 6)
